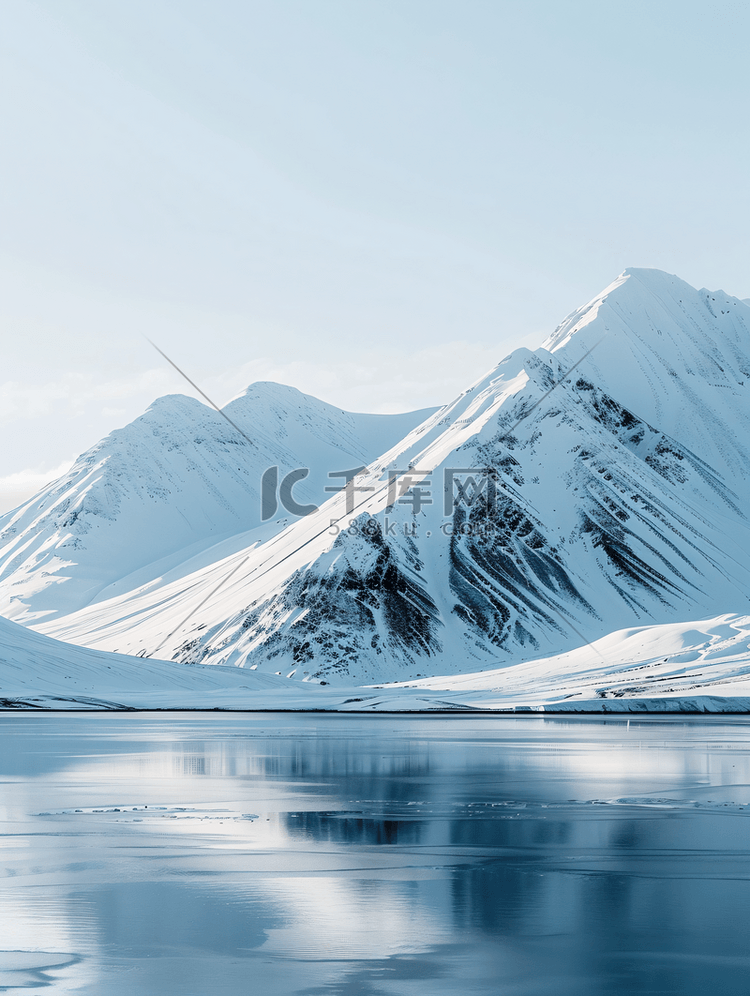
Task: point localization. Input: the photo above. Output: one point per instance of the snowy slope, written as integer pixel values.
(691, 667)
(168, 487)
(35, 670)
(615, 459)
(676, 357)
(683, 661)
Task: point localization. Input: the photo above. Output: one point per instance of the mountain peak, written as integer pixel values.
(595, 483)
(271, 389)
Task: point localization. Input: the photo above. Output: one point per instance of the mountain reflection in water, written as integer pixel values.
(217, 854)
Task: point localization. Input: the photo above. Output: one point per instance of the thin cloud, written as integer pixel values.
(21, 485)
(74, 391)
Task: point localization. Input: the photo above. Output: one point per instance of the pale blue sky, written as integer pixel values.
(373, 200)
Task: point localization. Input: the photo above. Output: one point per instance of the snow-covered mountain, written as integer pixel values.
(597, 483)
(171, 486)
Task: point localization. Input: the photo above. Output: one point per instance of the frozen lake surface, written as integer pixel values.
(213, 854)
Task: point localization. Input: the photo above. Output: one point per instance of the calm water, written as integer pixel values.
(204, 855)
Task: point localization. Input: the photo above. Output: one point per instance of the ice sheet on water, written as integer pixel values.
(32, 969)
(378, 854)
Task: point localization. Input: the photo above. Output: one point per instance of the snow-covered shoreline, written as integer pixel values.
(689, 668)
(701, 705)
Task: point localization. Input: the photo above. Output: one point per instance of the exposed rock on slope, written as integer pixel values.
(604, 483)
(168, 487)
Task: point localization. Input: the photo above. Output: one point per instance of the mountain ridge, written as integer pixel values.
(616, 457)
(178, 478)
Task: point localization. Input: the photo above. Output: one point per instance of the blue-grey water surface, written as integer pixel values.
(213, 854)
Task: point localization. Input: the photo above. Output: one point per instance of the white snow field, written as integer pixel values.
(695, 667)
(609, 496)
(36, 671)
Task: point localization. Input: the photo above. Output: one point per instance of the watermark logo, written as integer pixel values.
(350, 486)
(410, 487)
(273, 492)
(466, 487)
(469, 486)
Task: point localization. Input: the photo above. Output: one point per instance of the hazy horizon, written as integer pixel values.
(373, 204)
